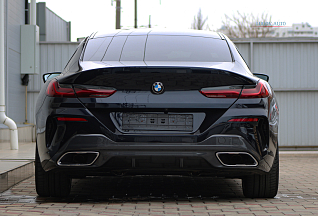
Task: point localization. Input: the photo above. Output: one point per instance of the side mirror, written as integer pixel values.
(48, 76)
(262, 76)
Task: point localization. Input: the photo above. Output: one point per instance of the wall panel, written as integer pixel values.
(53, 58)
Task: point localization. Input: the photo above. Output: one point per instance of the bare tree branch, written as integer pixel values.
(241, 25)
(199, 22)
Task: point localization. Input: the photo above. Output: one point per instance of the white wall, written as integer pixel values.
(14, 89)
(56, 27)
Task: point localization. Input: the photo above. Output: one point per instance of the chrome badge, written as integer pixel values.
(157, 88)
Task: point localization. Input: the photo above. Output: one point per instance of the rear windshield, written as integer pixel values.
(185, 48)
(157, 48)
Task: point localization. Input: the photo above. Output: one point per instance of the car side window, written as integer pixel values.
(242, 57)
(73, 64)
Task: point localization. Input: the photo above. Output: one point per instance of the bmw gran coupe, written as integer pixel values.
(150, 102)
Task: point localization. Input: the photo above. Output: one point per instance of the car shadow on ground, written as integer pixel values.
(150, 188)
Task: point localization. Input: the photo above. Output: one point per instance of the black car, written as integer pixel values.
(149, 102)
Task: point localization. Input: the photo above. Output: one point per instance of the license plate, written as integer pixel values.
(154, 121)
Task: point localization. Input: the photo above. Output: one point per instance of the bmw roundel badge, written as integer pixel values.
(157, 88)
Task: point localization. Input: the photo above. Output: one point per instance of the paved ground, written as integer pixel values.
(298, 195)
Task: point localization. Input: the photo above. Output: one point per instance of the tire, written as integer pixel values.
(262, 186)
(50, 183)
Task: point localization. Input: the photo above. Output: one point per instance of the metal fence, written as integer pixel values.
(292, 65)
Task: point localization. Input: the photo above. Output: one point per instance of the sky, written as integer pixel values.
(88, 16)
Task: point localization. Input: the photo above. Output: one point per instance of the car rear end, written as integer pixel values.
(167, 117)
(188, 128)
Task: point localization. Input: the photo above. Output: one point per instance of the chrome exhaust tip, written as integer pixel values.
(236, 159)
(78, 158)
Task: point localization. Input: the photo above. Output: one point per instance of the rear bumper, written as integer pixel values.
(159, 158)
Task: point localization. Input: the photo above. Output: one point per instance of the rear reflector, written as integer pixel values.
(244, 120)
(71, 119)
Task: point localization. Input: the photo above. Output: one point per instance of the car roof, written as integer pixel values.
(163, 32)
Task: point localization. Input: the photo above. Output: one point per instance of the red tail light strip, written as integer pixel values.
(94, 93)
(71, 119)
(227, 93)
(244, 120)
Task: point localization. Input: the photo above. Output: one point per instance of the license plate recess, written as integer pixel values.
(156, 121)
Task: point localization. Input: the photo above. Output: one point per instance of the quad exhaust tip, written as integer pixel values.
(236, 159)
(78, 158)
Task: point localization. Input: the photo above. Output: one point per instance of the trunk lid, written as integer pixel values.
(134, 103)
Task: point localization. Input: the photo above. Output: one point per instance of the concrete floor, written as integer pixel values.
(15, 165)
(10, 159)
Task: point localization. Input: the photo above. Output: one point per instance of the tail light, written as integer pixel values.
(55, 89)
(260, 91)
(221, 93)
(93, 91)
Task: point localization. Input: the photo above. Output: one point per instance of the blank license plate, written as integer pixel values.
(153, 121)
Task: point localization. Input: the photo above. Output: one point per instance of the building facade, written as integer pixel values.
(296, 30)
(52, 28)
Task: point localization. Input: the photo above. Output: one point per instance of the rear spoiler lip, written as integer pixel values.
(90, 65)
(70, 78)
